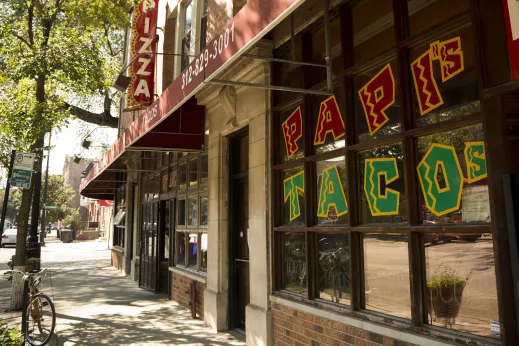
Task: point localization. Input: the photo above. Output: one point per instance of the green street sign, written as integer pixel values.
(22, 170)
(52, 207)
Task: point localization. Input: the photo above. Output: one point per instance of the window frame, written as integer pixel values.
(354, 230)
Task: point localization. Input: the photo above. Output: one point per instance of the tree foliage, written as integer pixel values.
(61, 194)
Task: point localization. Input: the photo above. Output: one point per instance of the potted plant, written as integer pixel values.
(10, 337)
(444, 292)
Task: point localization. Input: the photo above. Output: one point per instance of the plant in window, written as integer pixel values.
(444, 293)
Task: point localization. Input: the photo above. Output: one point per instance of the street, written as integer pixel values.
(97, 305)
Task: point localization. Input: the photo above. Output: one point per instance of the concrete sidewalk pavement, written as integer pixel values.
(96, 305)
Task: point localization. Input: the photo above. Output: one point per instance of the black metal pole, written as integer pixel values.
(6, 195)
(33, 245)
(43, 210)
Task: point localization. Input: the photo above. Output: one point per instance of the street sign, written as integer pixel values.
(52, 207)
(22, 170)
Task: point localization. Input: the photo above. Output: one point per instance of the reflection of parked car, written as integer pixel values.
(462, 236)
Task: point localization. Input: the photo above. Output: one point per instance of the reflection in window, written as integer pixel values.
(294, 197)
(332, 203)
(460, 198)
(182, 176)
(192, 212)
(181, 248)
(204, 169)
(373, 28)
(192, 248)
(461, 286)
(203, 252)
(193, 172)
(181, 212)
(294, 262)
(333, 256)
(387, 282)
(318, 74)
(420, 18)
(204, 202)
(173, 177)
(381, 204)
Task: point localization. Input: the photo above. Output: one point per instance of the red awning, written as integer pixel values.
(174, 121)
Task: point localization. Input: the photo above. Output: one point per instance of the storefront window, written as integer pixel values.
(294, 262)
(382, 190)
(292, 142)
(193, 249)
(204, 204)
(182, 176)
(373, 29)
(333, 258)
(193, 172)
(181, 248)
(328, 122)
(377, 102)
(294, 196)
(173, 177)
(332, 203)
(204, 170)
(203, 252)
(452, 174)
(461, 287)
(387, 281)
(192, 212)
(181, 212)
(420, 18)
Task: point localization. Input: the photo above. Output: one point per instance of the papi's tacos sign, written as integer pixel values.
(441, 195)
(143, 47)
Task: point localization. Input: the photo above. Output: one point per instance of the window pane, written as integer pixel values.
(382, 185)
(181, 212)
(192, 212)
(377, 102)
(204, 203)
(167, 228)
(294, 196)
(173, 177)
(332, 203)
(461, 284)
(292, 141)
(193, 172)
(420, 18)
(453, 177)
(189, 18)
(457, 95)
(182, 176)
(372, 28)
(333, 273)
(386, 270)
(294, 262)
(318, 74)
(164, 181)
(203, 252)
(289, 75)
(204, 169)
(328, 122)
(181, 248)
(193, 246)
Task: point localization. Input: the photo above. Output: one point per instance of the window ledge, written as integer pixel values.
(190, 274)
(118, 248)
(403, 332)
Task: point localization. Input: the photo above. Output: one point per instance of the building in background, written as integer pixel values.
(72, 172)
(323, 175)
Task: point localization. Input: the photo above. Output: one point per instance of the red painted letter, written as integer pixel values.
(330, 120)
(377, 96)
(292, 131)
(427, 92)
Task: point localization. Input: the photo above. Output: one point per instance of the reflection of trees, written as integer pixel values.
(334, 267)
(456, 138)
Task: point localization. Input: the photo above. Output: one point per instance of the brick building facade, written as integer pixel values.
(310, 214)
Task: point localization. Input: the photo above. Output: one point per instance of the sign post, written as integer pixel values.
(22, 170)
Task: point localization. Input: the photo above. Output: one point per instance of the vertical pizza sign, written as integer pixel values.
(143, 46)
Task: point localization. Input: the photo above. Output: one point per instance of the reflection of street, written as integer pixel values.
(386, 268)
(479, 300)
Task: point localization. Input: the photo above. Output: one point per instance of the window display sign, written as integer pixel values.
(476, 161)
(386, 203)
(475, 204)
(292, 187)
(292, 131)
(329, 121)
(331, 196)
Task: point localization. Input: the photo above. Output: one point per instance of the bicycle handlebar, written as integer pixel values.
(29, 273)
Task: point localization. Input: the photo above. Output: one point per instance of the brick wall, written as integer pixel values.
(294, 327)
(219, 14)
(179, 287)
(117, 259)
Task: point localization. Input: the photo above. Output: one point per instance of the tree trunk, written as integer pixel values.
(21, 245)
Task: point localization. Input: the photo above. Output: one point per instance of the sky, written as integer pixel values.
(68, 142)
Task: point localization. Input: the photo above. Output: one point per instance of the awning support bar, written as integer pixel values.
(270, 87)
(268, 58)
(328, 57)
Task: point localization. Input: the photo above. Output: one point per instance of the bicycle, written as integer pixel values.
(38, 315)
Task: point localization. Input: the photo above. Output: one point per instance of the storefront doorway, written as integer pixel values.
(149, 269)
(239, 228)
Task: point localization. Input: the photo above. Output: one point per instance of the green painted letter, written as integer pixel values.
(331, 193)
(292, 185)
(381, 204)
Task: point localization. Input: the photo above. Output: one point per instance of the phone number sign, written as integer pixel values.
(22, 170)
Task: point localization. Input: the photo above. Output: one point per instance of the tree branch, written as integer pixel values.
(103, 119)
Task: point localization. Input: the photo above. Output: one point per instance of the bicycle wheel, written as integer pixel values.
(40, 320)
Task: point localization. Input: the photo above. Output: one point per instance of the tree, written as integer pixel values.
(56, 56)
(59, 194)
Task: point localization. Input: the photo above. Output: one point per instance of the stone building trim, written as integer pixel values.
(187, 274)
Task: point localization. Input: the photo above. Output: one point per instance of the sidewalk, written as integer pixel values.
(96, 305)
